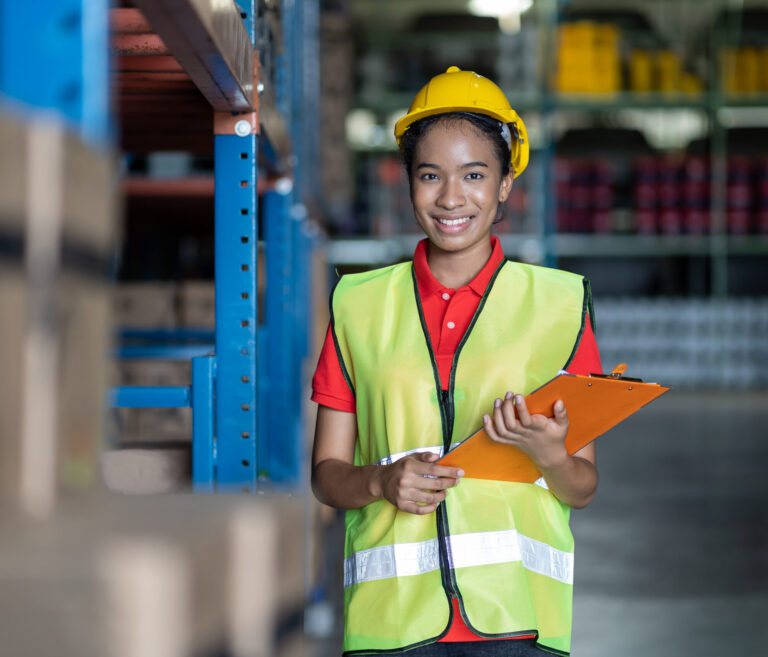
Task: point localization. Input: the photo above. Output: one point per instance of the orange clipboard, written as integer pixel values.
(594, 403)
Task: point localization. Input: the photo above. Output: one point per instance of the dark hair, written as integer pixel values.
(490, 127)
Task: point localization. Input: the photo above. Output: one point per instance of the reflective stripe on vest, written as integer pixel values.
(478, 549)
(435, 449)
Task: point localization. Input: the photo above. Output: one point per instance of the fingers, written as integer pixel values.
(417, 509)
(490, 430)
(499, 424)
(561, 415)
(507, 409)
(522, 411)
(422, 465)
(420, 502)
(426, 497)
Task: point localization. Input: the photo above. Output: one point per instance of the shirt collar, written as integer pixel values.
(429, 285)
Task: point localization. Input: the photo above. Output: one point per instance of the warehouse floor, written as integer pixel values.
(672, 555)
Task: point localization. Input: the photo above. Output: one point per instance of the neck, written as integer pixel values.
(455, 270)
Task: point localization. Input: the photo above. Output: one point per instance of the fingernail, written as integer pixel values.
(486, 418)
(460, 473)
(519, 399)
(509, 395)
(497, 403)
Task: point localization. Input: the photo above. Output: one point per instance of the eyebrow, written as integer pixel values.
(468, 165)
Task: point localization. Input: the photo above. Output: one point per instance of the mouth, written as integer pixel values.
(452, 224)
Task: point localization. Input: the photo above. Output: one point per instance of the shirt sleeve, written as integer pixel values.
(587, 358)
(329, 387)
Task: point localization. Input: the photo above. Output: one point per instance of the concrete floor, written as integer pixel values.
(672, 555)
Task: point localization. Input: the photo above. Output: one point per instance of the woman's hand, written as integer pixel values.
(572, 478)
(415, 484)
(540, 437)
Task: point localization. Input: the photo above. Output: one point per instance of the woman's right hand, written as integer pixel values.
(415, 484)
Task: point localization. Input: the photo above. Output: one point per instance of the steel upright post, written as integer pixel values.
(236, 321)
(278, 448)
(236, 235)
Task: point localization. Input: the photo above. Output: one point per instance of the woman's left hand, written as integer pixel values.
(540, 437)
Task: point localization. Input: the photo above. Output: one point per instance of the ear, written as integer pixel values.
(505, 187)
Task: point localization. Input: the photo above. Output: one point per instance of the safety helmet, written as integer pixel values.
(466, 91)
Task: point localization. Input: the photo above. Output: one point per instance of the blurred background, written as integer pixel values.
(182, 182)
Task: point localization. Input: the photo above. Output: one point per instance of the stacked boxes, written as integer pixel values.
(162, 306)
(174, 576)
(667, 195)
(586, 190)
(589, 58)
(59, 229)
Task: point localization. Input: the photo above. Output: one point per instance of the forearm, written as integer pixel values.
(572, 479)
(346, 486)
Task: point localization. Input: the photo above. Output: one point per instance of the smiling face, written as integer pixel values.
(456, 187)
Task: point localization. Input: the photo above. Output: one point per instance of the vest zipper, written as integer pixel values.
(447, 413)
(446, 564)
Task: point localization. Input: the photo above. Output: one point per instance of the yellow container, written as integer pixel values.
(748, 71)
(640, 71)
(588, 59)
(669, 71)
(691, 84)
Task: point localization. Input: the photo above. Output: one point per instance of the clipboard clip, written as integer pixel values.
(617, 373)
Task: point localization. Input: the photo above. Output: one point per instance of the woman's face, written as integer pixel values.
(456, 186)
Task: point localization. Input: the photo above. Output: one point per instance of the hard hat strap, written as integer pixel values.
(507, 136)
(517, 133)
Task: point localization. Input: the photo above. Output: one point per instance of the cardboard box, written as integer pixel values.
(198, 304)
(145, 305)
(54, 311)
(166, 576)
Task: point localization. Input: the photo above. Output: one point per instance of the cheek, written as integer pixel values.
(420, 196)
(484, 195)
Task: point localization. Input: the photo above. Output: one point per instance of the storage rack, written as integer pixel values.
(716, 247)
(64, 558)
(174, 56)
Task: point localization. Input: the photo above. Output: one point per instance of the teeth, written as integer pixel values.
(454, 222)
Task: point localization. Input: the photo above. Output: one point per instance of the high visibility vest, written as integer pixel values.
(503, 549)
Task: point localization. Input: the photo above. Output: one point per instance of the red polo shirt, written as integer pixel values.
(447, 312)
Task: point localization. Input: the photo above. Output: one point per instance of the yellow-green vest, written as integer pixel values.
(504, 549)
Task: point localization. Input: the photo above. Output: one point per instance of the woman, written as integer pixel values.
(417, 356)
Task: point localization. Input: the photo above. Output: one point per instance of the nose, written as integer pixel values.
(451, 195)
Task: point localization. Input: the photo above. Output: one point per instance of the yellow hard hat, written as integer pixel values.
(466, 91)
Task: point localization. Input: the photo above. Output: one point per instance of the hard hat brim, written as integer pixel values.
(519, 154)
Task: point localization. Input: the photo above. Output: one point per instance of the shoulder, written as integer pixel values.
(366, 282)
(542, 275)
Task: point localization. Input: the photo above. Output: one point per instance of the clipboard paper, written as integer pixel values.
(594, 404)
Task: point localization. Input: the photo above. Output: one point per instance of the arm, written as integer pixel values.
(336, 481)
(571, 478)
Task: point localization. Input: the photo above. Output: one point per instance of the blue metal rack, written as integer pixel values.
(246, 398)
(53, 56)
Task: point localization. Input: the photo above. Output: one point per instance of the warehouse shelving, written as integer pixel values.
(537, 100)
(191, 76)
